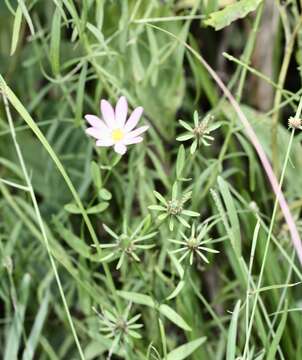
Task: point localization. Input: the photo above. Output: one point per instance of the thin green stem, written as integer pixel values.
(246, 67)
(168, 18)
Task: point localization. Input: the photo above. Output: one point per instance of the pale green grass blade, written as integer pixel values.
(232, 214)
(80, 95)
(13, 341)
(27, 16)
(55, 42)
(276, 340)
(173, 316)
(16, 30)
(184, 351)
(35, 333)
(232, 334)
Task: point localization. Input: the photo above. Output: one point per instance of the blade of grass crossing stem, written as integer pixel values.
(232, 335)
(15, 331)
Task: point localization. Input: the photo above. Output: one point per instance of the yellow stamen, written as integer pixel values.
(117, 135)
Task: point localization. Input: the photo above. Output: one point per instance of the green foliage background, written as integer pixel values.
(59, 58)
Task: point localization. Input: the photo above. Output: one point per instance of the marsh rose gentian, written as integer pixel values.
(114, 129)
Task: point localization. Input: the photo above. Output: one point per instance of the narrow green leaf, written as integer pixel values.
(172, 315)
(190, 213)
(193, 147)
(248, 148)
(186, 126)
(159, 197)
(232, 334)
(60, 7)
(16, 30)
(96, 32)
(160, 170)
(232, 214)
(153, 68)
(177, 265)
(185, 137)
(156, 208)
(99, 13)
(27, 16)
(72, 240)
(175, 191)
(48, 349)
(261, 356)
(98, 208)
(177, 290)
(137, 298)
(180, 162)
(55, 39)
(137, 64)
(277, 338)
(80, 95)
(15, 331)
(74, 209)
(35, 333)
(183, 351)
(163, 337)
(96, 175)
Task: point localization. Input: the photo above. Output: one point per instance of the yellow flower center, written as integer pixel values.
(117, 135)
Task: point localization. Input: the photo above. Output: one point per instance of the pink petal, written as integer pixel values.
(104, 142)
(107, 113)
(138, 131)
(135, 140)
(120, 148)
(95, 121)
(134, 118)
(121, 110)
(94, 132)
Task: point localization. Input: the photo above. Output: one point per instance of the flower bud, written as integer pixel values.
(294, 123)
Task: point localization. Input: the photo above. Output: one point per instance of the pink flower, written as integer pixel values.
(113, 129)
